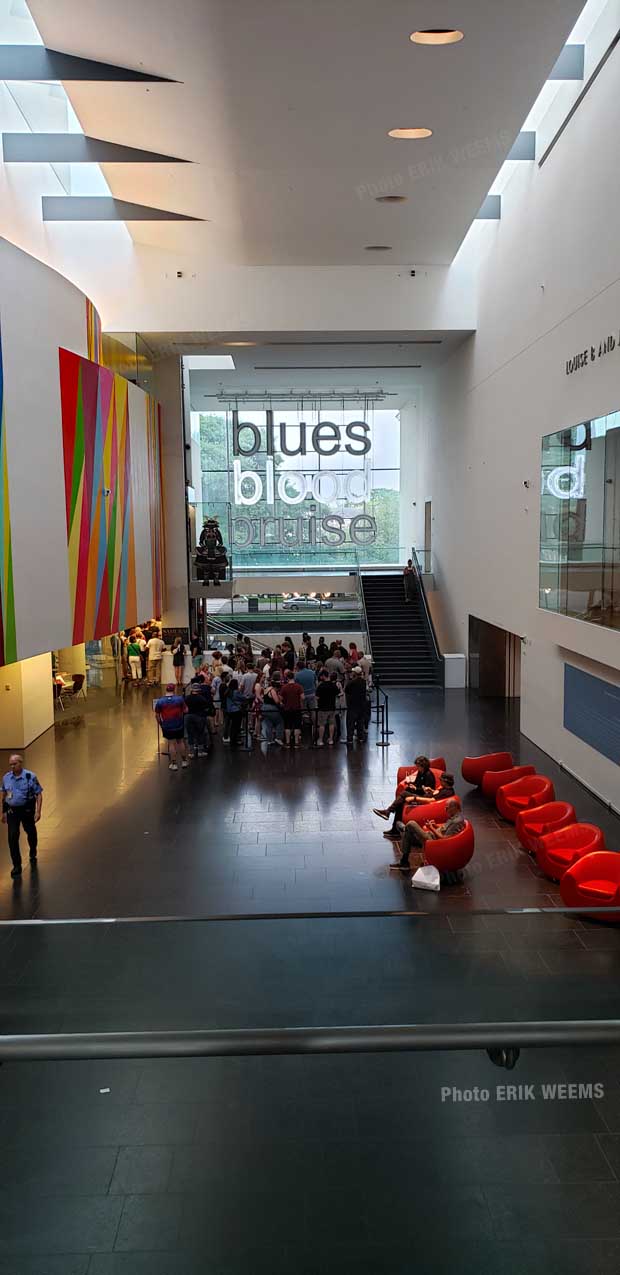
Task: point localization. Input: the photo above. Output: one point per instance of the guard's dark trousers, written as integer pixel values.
(22, 817)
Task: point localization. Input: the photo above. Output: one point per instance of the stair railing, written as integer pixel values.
(360, 589)
(437, 656)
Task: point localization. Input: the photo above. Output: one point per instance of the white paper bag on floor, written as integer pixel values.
(426, 878)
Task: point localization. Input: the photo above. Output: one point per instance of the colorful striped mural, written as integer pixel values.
(94, 340)
(156, 502)
(100, 530)
(8, 642)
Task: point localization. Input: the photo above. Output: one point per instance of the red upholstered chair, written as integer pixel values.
(451, 854)
(473, 768)
(494, 779)
(557, 851)
(438, 764)
(523, 794)
(537, 822)
(594, 880)
(432, 810)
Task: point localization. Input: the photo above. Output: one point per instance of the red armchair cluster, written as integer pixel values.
(450, 854)
(567, 851)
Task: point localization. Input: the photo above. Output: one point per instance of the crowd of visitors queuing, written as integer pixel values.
(268, 697)
(141, 650)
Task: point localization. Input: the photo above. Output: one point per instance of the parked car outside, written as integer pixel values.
(307, 604)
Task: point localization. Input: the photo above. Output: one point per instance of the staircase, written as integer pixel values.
(403, 650)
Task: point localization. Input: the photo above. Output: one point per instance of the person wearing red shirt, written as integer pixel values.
(292, 696)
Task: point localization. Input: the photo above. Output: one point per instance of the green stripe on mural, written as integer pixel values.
(78, 449)
(10, 636)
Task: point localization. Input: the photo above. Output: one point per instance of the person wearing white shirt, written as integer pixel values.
(155, 650)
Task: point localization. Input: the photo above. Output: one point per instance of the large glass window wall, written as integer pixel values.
(313, 482)
(580, 522)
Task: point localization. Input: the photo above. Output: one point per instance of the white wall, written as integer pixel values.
(41, 311)
(140, 493)
(549, 287)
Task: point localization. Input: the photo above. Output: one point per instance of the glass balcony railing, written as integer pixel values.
(580, 522)
(582, 582)
(297, 552)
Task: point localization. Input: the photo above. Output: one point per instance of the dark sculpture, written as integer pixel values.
(211, 556)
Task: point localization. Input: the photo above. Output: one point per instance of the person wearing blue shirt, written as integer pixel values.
(307, 680)
(22, 799)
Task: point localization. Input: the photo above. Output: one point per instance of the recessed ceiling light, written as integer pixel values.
(410, 133)
(436, 35)
(391, 199)
(240, 344)
(378, 247)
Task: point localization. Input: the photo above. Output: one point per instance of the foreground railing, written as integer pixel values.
(240, 1042)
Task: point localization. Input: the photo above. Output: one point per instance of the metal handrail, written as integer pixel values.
(225, 630)
(429, 620)
(360, 589)
(397, 1038)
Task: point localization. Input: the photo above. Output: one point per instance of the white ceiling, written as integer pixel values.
(284, 105)
(283, 363)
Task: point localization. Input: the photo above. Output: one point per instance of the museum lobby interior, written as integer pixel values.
(309, 475)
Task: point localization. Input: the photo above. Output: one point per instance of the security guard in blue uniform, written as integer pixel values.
(22, 798)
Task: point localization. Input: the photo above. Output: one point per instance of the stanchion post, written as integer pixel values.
(385, 732)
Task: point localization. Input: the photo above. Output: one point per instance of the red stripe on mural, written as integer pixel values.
(69, 380)
(90, 390)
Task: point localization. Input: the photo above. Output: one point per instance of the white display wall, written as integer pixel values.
(548, 289)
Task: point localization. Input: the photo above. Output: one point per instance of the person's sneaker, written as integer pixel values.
(383, 814)
(225, 741)
(184, 765)
(331, 743)
(173, 766)
(202, 752)
(319, 743)
(279, 742)
(16, 872)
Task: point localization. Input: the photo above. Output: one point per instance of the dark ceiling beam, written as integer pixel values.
(35, 62)
(104, 208)
(75, 148)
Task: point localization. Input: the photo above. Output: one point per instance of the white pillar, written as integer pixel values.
(26, 701)
(409, 520)
(167, 389)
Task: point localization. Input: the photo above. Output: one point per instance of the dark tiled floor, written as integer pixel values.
(260, 832)
(367, 1164)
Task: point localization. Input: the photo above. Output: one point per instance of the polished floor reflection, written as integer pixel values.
(247, 833)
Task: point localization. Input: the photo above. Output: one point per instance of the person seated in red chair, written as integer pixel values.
(445, 789)
(415, 837)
